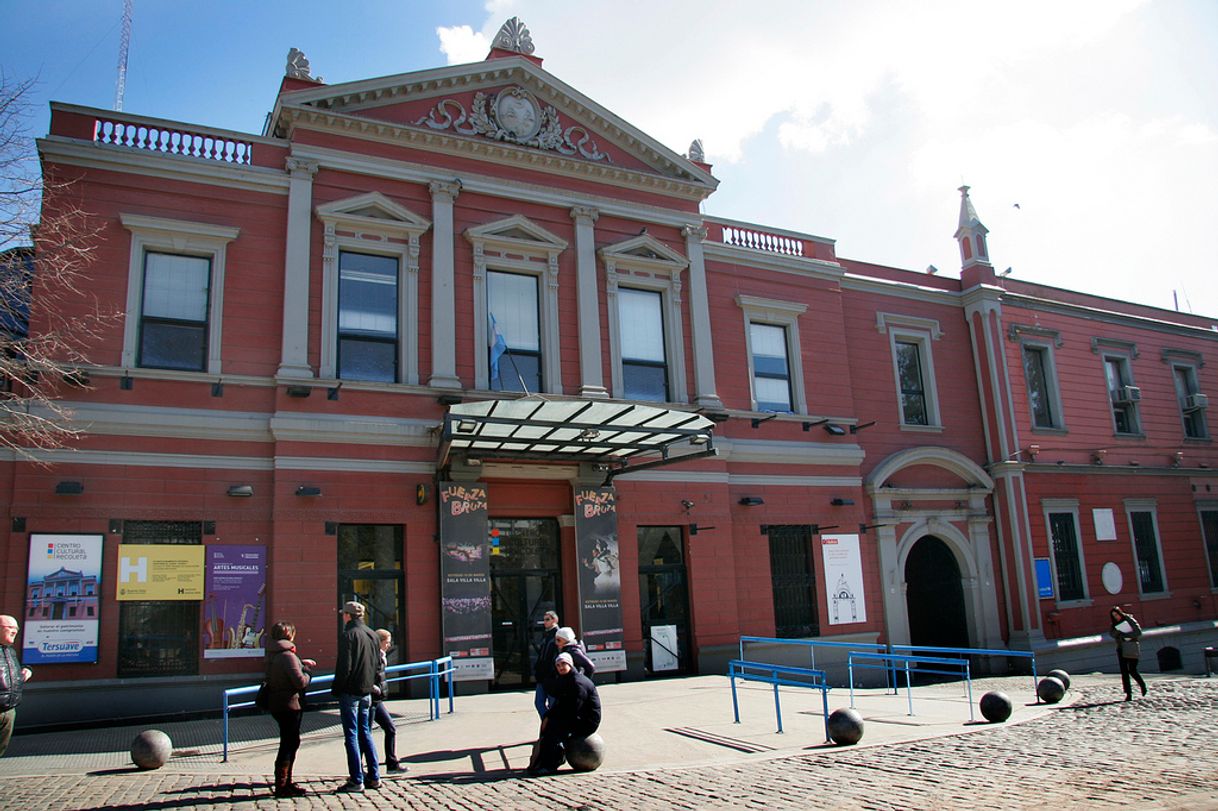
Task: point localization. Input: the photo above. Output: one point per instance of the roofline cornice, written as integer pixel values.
(798, 265)
(1011, 299)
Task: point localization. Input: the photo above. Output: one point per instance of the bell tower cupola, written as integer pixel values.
(971, 234)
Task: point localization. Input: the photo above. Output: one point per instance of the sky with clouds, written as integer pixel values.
(1087, 129)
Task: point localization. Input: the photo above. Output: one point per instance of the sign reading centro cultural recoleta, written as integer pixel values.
(160, 572)
(600, 576)
(61, 599)
(465, 569)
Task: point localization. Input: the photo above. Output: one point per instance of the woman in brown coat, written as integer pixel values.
(287, 675)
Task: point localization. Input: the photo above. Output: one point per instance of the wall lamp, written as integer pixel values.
(126, 383)
(687, 504)
(420, 494)
(467, 426)
(241, 490)
(864, 527)
(854, 429)
(813, 424)
(332, 392)
(449, 400)
(299, 391)
(834, 430)
(757, 421)
(69, 488)
(699, 439)
(302, 490)
(842, 502)
(217, 389)
(817, 529)
(752, 501)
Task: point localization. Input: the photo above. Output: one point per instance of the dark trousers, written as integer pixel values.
(1129, 667)
(382, 718)
(289, 733)
(551, 746)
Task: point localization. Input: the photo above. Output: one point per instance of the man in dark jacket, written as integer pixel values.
(543, 671)
(354, 675)
(12, 679)
(576, 714)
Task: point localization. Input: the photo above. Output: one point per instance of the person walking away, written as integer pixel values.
(543, 669)
(380, 713)
(1126, 631)
(287, 676)
(354, 675)
(12, 679)
(568, 644)
(576, 714)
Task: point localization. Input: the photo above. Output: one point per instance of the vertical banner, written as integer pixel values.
(63, 584)
(465, 588)
(600, 577)
(234, 610)
(843, 579)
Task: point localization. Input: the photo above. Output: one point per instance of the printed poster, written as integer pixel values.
(1044, 579)
(844, 579)
(234, 610)
(600, 577)
(465, 571)
(63, 586)
(160, 572)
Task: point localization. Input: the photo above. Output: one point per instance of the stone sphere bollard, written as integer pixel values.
(586, 754)
(845, 726)
(1061, 676)
(151, 749)
(995, 707)
(1050, 690)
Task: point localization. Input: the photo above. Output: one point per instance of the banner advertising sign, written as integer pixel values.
(160, 572)
(465, 571)
(844, 579)
(62, 592)
(1044, 579)
(600, 581)
(234, 610)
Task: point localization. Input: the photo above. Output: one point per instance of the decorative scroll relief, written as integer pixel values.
(515, 116)
(514, 36)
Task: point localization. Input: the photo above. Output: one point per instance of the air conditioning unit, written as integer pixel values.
(1126, 394)
(1196, 402)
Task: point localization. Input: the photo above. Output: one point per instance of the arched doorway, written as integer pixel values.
(934, 596)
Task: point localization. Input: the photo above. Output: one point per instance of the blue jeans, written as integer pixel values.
(541, 701)
(356, 712)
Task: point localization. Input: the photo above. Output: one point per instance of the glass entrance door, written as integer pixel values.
(664, 596)
(370, 572)
(525, 584)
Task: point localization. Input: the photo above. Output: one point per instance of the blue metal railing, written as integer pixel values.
(959, 667)
(811, 644)
(971, 652)
(433, 671)
(778, 675)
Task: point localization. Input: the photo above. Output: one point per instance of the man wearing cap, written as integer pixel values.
(576, 714)
(354, 675)
(12, 679)
(543, 670)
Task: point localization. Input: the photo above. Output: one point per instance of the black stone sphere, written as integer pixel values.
(1050, 690)
(1061, 676)
(151, 749)
(995, 707)
(586, 754)
(845, 727)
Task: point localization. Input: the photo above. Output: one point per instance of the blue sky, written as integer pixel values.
(849, 120)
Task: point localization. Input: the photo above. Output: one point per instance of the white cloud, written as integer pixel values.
(461, 44)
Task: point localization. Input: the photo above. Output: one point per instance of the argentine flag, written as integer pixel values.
(494, 339)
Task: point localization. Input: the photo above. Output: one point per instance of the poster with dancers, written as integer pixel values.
(600, 577)
(234, 605)
(465, 571)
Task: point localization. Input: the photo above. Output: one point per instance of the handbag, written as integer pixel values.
(263, 699)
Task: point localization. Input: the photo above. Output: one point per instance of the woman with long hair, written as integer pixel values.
(1126, 631)
(287, 676)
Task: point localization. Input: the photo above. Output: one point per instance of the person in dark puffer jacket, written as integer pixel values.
(287, 676)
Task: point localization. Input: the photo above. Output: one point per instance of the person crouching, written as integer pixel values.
(576, 714)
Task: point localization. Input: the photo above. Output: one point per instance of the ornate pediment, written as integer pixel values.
(372, 212)
(644, 252)
(516, 233)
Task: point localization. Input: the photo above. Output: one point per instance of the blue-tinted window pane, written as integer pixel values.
(172, 346)
(644, 381)
(367, 295)
(517, 368)
(360, 359)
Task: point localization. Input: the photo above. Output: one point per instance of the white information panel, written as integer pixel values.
(1105, 524)
(664, 648)
(844, 579)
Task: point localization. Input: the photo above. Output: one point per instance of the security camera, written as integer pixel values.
(687, 504)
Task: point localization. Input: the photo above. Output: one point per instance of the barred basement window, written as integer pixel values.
(159, 637)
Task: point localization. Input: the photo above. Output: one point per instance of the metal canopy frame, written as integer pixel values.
(595, 431)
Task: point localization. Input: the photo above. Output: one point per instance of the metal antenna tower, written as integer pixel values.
(124, 44)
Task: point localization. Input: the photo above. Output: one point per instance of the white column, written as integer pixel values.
(700, 323)
(443, 299)
(591, 354)
(294, 359)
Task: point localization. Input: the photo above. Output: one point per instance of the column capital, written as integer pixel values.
(584, 214)
(444, 189)
(301, 167)
(696, 232)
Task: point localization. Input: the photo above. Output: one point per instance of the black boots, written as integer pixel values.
(284, 787)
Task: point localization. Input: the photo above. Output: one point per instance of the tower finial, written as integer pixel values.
(970, 233)
(514, 36)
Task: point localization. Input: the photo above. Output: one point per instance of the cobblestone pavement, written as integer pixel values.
(1157, 752)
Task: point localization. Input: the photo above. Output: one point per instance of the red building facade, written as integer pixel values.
(307, 314)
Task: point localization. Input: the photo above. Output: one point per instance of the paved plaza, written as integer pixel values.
(672, 744)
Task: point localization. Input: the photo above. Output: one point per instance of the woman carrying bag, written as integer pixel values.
(1126, 631)
(287, 676)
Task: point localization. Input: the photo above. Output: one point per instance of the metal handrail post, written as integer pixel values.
(1034, 690)
(777, 706)
(850, 676)
(433, 691)
(448, 676)
(824, 698)
(968, 679)
(735, 704)
(908, 687)
(224, 759)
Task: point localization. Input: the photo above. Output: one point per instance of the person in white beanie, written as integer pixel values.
(568, 644)
(576, 714)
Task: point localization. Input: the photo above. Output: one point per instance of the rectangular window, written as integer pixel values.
(159, 637)
(795, 610)
(513, 305)
(912, 382)
(1123, 394)
(1209, 530)
(641, 327)
(771, 370)
(1192, 407)
(1146, 548)
(1042, 385)
(367, 317)
(1063, 534)
(173, 315)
